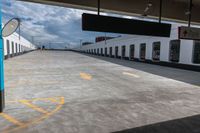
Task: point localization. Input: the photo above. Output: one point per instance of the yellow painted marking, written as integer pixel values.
(85, 76)
(131, 74)
(26, 102)
(60, 101)
(11, 119)
(53, 99)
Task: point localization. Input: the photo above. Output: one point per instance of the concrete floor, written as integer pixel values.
(67, 92)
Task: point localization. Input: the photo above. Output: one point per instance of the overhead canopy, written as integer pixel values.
(171, 9)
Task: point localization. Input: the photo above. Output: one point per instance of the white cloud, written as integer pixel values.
(48, 23)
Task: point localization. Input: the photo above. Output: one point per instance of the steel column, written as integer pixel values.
(190, 13)
(160, 11)
(98, 6)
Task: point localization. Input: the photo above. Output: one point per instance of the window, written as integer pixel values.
(98, 51)
(174, 50)
(101, 51)
(132, 52)
(123, 51)
(110, 51)
(142, 51)
(8, 47)
(196, 55)
(94, 51)
(106, 52)
(156, 51)
(19, 48)
(116, 52)
(12, 48)
(16, 50)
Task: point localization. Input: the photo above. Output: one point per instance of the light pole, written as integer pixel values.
(33, 40)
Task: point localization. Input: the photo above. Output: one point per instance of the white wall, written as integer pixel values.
(186, 47)
(27, 46)
(185, 52)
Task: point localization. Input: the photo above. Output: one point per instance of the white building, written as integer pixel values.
(157, 50)
(15, 45)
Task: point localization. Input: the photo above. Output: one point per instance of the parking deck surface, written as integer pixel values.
(68, 92)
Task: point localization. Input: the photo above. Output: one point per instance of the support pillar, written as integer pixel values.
(2, 99)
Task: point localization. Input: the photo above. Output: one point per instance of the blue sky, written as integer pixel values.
(48, 23)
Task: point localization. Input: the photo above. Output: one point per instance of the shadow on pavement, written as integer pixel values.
(183, 125)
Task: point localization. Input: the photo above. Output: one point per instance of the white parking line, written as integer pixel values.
(131, 74)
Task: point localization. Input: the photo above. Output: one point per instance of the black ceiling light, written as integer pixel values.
(147, 9)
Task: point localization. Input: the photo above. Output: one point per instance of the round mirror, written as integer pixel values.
(10, 27)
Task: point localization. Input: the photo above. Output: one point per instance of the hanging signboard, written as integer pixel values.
(189, 33)
(99, 23)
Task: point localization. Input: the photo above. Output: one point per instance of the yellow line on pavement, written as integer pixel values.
(85, 76)
(38, 120)
(26, 102)
(131, 74)
(11, 119)
(53, 99)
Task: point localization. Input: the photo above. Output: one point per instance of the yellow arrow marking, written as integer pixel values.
(11, 119)
(85, 76)
(131, 74)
